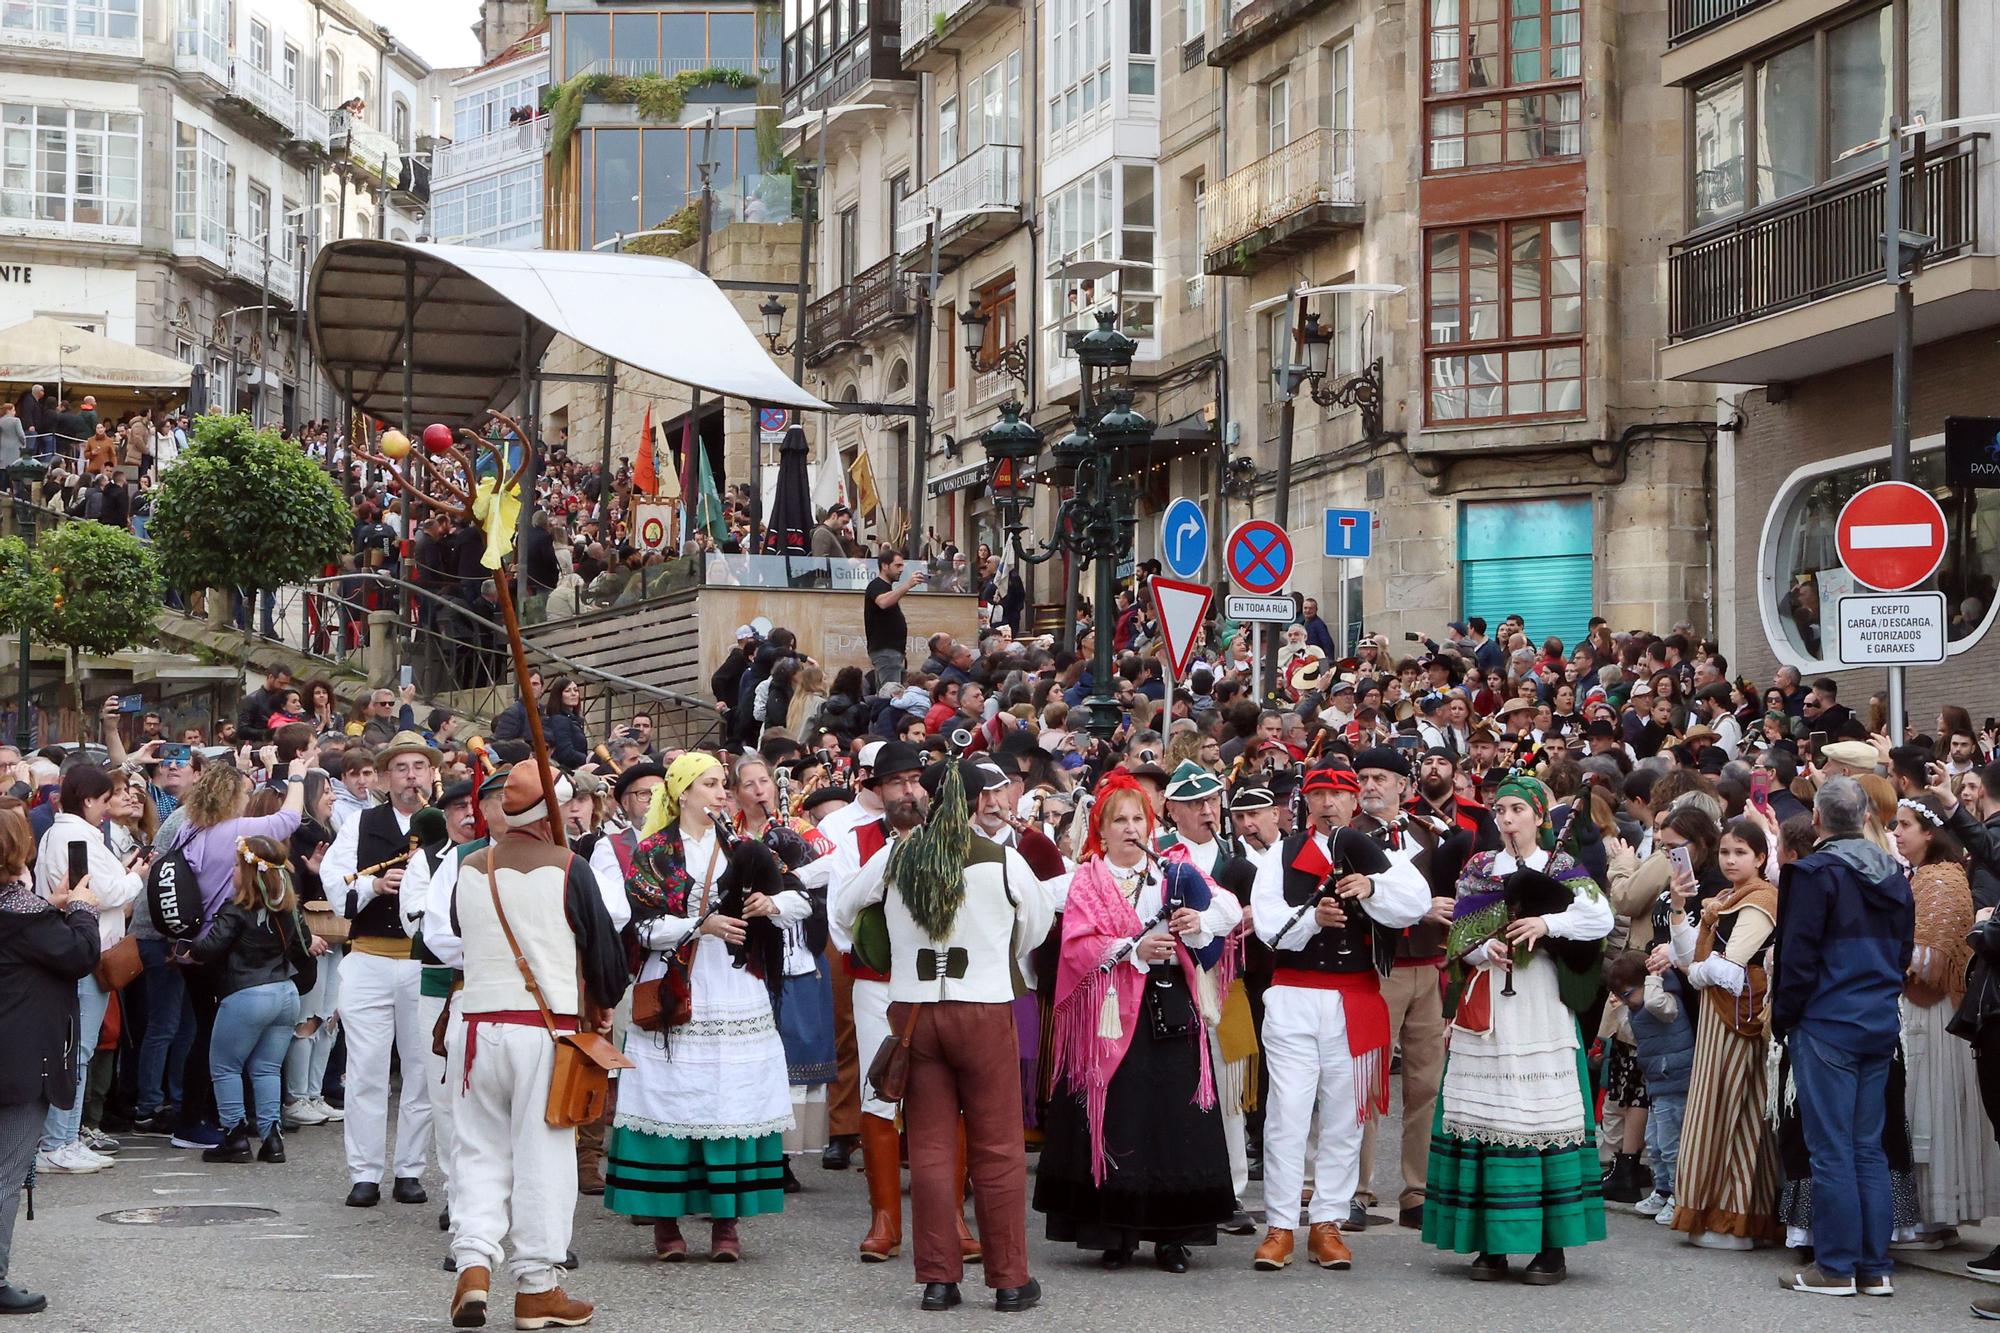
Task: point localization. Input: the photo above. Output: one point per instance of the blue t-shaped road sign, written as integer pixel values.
(1350, 534)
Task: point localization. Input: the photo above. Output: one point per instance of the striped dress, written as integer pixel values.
(1727, 1178)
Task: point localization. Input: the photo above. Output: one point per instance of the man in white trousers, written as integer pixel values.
(1321, 905)
(519, 902)
(381, 1005)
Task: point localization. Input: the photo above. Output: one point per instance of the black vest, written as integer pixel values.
(1348, 948)
(380, 839)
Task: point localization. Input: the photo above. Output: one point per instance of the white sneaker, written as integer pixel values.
(330, 1111)
(1665, 1217)
(1651, 1204)
(68, 1161)
(104, 1161)
(1717, 1240)
(1919, 1243)
(305, 1111)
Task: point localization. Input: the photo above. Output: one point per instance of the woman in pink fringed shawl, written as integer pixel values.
(1134, 1149)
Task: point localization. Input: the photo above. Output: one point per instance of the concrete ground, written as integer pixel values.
(316, 1265)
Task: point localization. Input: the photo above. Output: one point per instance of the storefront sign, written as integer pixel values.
(1903, 629)
(1972, 451)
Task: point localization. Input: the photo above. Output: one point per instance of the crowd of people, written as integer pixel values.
(1621, 925)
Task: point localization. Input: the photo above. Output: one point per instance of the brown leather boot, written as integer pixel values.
(669, 1246)
(590, 1158)
(884, 1240)
(1326, 1248)
(1275, 1252)
(468, 1301)
(550, 1309)
(724, 1246)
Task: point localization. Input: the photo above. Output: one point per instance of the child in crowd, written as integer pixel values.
(1663, 1032)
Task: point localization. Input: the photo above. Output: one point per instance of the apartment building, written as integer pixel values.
(167, 170)
(486, 184)
(1778, 297)
(620, 175)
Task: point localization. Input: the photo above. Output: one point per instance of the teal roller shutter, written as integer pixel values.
(1530, 558)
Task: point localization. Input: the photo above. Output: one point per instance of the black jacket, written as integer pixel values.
(538, 556)
(254, 717)
(240, 951)
(512, 724)
(568, 746)
(43, 954)
(1982, 845)
(728, 676)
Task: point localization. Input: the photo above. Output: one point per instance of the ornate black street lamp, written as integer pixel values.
(26, 472)
(1095, 523)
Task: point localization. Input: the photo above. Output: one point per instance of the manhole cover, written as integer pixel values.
(188, 1215)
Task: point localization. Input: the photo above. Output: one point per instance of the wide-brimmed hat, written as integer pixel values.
(893, 758)
(407, 742)
(1514, 705)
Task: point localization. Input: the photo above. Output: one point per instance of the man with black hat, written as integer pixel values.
(1436, 795)
(1437, 849)
(610, 848)
(1711, 701)
(1322, 906)
(520, 907)
(958, 910)
(381, 980)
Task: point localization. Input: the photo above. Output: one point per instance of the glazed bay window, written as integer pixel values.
(1110, 214)
(1080, 36)
(69, 168)
(1796, 118)
(1478, 48)
(1504, 334)
(84, 22)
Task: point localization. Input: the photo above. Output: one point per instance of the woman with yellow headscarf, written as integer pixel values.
(702, 1114)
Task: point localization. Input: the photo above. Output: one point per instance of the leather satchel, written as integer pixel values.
(667, 1001)
(889, 1071)
(118, 965)
(580, 1084)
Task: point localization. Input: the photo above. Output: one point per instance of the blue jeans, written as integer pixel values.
(169, 1030)
(60, 1126)
(1663, 1137)
(1841, 1108)
(253, 1029)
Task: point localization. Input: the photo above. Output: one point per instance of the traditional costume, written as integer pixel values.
(1513, 1164)
(519, 903)
(1326, 1029)
(1726, 1182)
(958, 910)
(805, 1016)
(381, 994)
(1134, 1149)
(701, 1115)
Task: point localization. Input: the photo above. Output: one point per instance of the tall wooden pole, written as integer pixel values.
(532, 707)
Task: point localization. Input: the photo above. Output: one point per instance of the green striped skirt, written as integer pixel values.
(1483, 1198)
(648, 1175)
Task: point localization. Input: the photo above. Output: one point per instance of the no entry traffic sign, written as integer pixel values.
(1259, 556)
(1891, 536)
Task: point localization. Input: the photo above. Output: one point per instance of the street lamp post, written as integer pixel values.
(1095, 523)
(26, 472)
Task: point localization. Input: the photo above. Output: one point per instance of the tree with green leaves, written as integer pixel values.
(85, 586)
(245, 509)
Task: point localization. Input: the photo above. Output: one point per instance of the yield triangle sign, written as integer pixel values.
(1181, 607)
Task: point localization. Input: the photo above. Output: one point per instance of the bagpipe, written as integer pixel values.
(1171, 900)
(752, 868)
(1481, 918)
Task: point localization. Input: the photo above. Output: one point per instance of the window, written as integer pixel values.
(1196, 14)
(1791, 120)
(1197, 283)
(946, 337)
(116, 19)
(996, 302)
(260, 45)
(503, 210)
(993, 105)
(1080, 55)
(364, 88)
(399, 123)
(291, 68)
(1495, 287)
(329, 79)
(849, 243)
(59, 165)
(633, 179)
(492, 108)
(1340, 106)
(292, 230)
(1139, 73)
(201, 187)
(1109, 214)
(947, 132)
(1278, 101)
(586, 40)
(635, 37)
(260, 218)
(1527, 128)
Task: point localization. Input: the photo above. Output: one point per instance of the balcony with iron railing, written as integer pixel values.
(1807, 273)
(972, 201)
(1689, 18)
(259, 91)
(499, 150)
(246, 262)
(354, 141)
(1283, 202)
(934, 29)
(877, 297)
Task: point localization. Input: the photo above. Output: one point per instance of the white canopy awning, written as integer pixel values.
(472, 306)
(45, 350)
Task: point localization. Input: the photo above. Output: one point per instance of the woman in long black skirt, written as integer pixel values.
(1134, 1150)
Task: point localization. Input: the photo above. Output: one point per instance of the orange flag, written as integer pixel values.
(644, 480)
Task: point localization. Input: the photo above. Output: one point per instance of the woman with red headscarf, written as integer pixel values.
(1145, 954)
